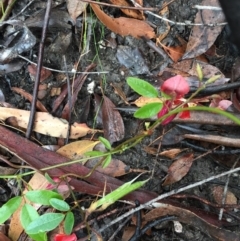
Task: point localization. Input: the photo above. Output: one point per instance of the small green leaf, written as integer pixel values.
(58, 204)
(28, 214)
(148, 110)
(115, 195)
(45, 223)
(9, 208)
(42, 196)
(107, 160)
(68, 223)
(105, 142)
(142, 87)
(93, 153)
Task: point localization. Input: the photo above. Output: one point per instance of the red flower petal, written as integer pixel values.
(185, 114)
(176, 86)
(65, 237)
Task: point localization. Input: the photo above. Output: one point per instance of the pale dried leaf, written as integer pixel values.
(179, 169)
(46, 124)
(124, 26)
(76, 149)
(141, 101)
(76, 8)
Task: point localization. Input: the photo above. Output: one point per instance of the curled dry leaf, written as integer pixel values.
(217, 193)
(124, 26)
(172, 153)
(178, 169)
(46, 124)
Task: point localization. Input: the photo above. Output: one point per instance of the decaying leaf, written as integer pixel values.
(75, 8)
(178, 169)
(190, 66)
(124, 26)
(205, 221)
(113, 126)
(76, 149)
(202, 37)
(46, 124)
(217, 193)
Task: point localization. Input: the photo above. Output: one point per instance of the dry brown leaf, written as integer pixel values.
(76, 8)
(202, 37)
(190, 66)
(178, 169)
(172, 153)
(124, 26)
(113, 125)
(116, 168)
(217, 193)
(174, 52)
(129, 12)
(76, 149)
(46, 124)
(37, 182)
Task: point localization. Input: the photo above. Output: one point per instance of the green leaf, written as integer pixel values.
(28, 214)
(105, 142)
(58, 204)
(45, 223)
(148, 110)
(42, 196)
(142, 87)
(107, 160)
(9, 208)
(93, 153)
(68, 223)
(115, 195)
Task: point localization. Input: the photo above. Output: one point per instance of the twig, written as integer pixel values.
(23, 9)
(39, 66)
(186, 23)
(225, 191)
(69, 100)
(63, 71)
(152, 204)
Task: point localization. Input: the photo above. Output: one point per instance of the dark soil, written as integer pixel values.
(106, 60)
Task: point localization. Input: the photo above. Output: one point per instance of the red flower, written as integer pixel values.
(176, 87)
(65, 237)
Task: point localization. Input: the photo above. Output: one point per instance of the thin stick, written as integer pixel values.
(39, 66)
